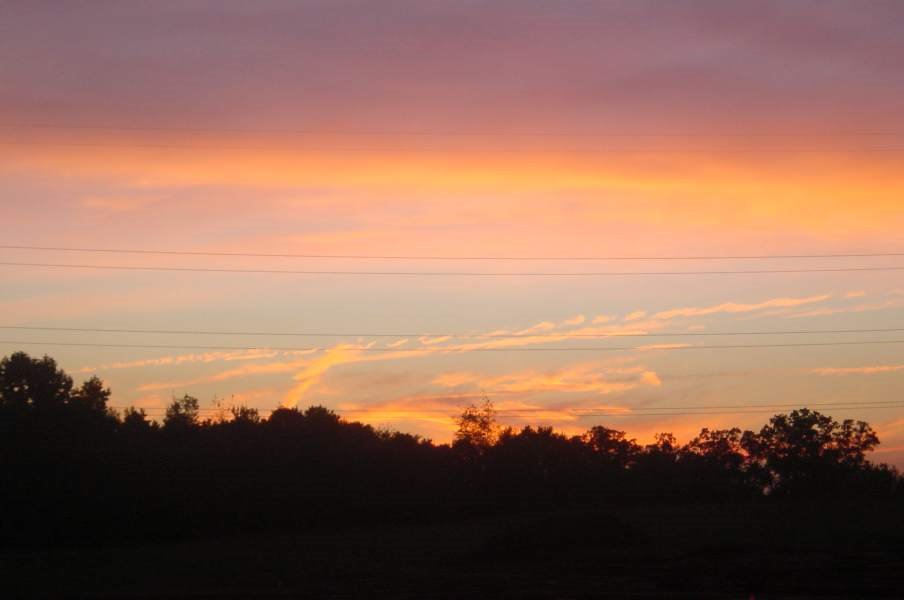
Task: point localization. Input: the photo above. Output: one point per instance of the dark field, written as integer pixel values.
(770, 549)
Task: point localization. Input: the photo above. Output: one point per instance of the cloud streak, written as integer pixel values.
(738, 307)
(867, 370)
(581, 378)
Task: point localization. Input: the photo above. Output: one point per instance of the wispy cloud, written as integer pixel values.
(575, 320)
(836, 310)
(428, 341)
(662, 346)
(206, 357)
(737, 307)
(541, 326)
(587, 378)
(867, 370)
(310, 370)
(243, 371)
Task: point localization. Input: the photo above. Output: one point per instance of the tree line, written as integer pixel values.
(75, 471)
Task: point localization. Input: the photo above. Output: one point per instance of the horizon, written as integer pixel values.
(444, 176)
(221, 412)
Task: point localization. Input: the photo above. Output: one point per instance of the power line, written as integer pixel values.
(689, 414)
(598, 412)
(471, 150)
(417, 415)
(452, 349)
(488, 336)
(440, 257)
(449, 273)
(436, 133)
(582, 411)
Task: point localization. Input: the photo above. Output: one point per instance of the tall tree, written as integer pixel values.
(34, 383)
(611, 445)
(477, 426)
(806, 449)
(182, 414)
(92, 395)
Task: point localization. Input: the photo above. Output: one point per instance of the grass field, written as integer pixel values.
(771, 550)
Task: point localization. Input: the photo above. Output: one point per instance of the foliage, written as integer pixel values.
(34, 383)
(182, 414)
(477, 426)
(71, 468)
(806, 450)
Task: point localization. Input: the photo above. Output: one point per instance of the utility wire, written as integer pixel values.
(584, 411)
(451, 415)
(452, 349)
(470, 150)
(500, 133)
(440, 257)
(488, 336)
(450, 273)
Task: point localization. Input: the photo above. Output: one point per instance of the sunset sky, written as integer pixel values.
(463, 130)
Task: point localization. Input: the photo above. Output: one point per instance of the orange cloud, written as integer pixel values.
(575, 320)
(437, 413)
(868, 307)
(869, 370)
(578, 378)
(206, 357)
(797, 192)
(428, 341)
(735, 307)
(243, 371)
(662, 346)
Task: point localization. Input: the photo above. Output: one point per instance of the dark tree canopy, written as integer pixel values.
(477, 426)
(182, 414)
(135, 421)
(71, 465)
(92, 395)
(805, 448)
(37, 383)
(613, 445)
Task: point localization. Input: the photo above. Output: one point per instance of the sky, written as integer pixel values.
(462, 130)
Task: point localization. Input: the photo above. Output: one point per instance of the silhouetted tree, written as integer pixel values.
(69, 467)
(92, 395)
(36, 383)
(612, 446)
(243, 415)
(285, 419)
(182, 414)
(717, 464)
(477, 426)
(534, 466)
(321, 417)
(720, 447)
(135, 421)
(806, 450)
(664, 444)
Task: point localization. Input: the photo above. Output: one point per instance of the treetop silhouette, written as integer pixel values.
(72, 467)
